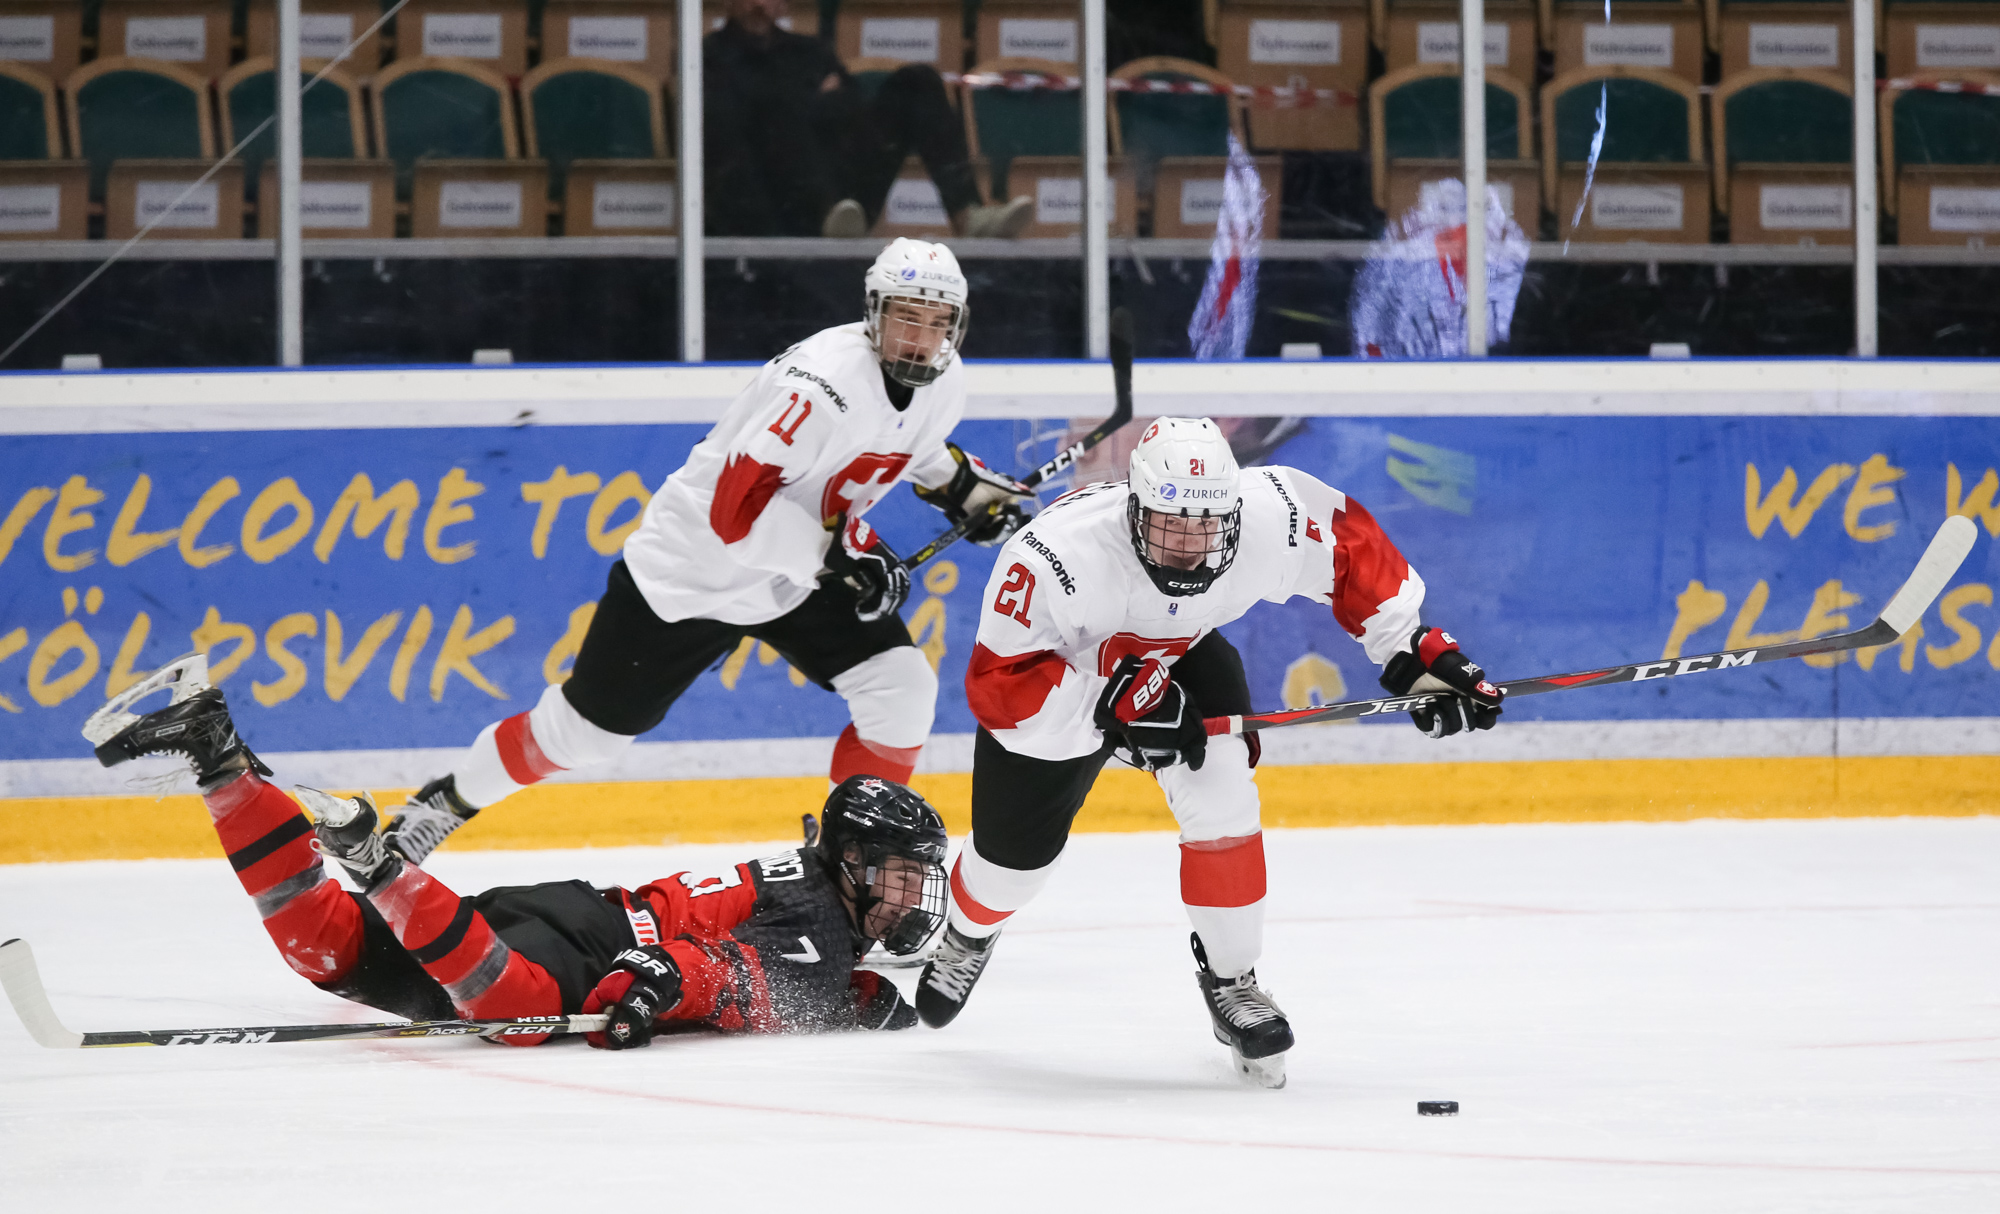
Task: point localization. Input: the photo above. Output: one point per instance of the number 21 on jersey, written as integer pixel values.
(1016, 594)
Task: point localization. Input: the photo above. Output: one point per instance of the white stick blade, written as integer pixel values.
(1947, 551)
(31, 1003)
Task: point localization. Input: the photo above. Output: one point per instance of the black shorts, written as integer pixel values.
(634, 664)
(1022, 807)
(567, 927)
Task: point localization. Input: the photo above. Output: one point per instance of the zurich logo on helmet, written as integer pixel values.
(909, 273)
(1168, 491)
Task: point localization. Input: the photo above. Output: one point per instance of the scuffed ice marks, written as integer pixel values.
(1409, 298)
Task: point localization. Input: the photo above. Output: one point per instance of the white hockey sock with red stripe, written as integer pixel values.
(529, 747)
(984, 895)
(1222, 884)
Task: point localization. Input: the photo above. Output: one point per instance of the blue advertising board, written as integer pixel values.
(402, 588)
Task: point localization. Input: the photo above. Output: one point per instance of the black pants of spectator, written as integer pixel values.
(775, 169)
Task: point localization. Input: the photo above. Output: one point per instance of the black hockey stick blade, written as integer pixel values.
(1121, 412)
(1947, 551)
(23, 982)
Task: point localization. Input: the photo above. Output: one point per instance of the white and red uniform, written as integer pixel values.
(1068, 600)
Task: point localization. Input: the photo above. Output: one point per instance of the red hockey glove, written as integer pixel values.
(974, 488)
(1435, 664)
(1152, 717)
(645, 985)
(878, 1005)
(861, 558)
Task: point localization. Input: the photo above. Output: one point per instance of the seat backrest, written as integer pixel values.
(444, 109)
(28, 128)
(585, 109)
(1786, 121)
(1002, 123)
(1148, 126)
(137, 109)
(1647, 120)
(1933, 127)
(1421, 120)
(329, 114)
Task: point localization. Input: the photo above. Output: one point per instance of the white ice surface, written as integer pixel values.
(1712, 1016)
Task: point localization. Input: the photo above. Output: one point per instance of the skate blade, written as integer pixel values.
(187, 675)
(1263, 1072)
(328, 810)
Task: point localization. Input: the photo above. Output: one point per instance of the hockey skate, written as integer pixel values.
(422, 823)
(1246, 1020)
(195, 724)
(344, 828)
(948, 978)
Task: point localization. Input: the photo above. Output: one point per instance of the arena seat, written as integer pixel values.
(1940, 36)
(122, 108)
(42, 196)
(1048, 30)
(1415, 138)
(492, 34)
(344, 193)
(325, 28)
(1753, 34)
(1660, 35)
(1941, 158)
(191, 34)
(1002, 123)
(44, 36)
(1652, 179)
(1426, 32)
(901, 31)
(1319, 44)
(604, 125)
(1147, 126)
(1784, 155)
(448, 125)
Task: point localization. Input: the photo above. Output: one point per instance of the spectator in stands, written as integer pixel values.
(796, 148)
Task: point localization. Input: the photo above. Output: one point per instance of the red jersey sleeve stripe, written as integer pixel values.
(741, 493)
(1005, 691)
(1367, 569)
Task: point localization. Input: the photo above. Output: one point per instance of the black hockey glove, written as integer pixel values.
(878, 1005)
(972, 491)
(861, 558)
(1435, 664)
(1154, 719)
(645, 983)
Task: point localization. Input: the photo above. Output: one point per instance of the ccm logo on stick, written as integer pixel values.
(228, 1038)
(1667, 670)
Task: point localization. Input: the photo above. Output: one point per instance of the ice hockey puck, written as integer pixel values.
(1437, 1108)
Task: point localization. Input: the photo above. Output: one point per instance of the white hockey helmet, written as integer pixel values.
(1186, 504)
(920, 272)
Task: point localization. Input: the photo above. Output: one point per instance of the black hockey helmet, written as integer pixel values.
(866, 823)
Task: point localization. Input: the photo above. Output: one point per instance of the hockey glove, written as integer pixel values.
(878, 1005)
(972, 491)
(1434, 664)
(1153, 718)
(862, 559)
(645, 984)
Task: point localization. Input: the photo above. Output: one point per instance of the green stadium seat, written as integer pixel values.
(1148, 126)
(1652, 181)
(1002, 123)
(1415, 137)
(1941, 158)
(430, 109)
(590, 109)
(1784, 151)
(42, 196)
(330, 125)
(28, 126)
(137, 109)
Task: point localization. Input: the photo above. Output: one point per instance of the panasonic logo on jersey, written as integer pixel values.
(1029, 541)
(838, 403)
(1291, 537)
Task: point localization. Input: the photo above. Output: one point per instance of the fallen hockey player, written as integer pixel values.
(769, 946)
(1099, 635)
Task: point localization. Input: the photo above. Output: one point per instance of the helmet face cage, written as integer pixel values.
(1184, 551)
(902, 359)
(868, 823)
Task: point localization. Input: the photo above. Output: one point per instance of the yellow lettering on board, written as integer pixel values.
(1743, 634)
(625, 487)
(446, 511)
(342, 673)
(122, 675)
(1976, 505)
(1871, 489)
(214, 631)
(68, 639)
(732, 666)
(297, 624)
(1758, 510)
(127, 542)
(218, 495)
(414, 640)
(279, 494)
(767, 654)
(929, 617)
(461, 645)
(1694, 609)
(26, 507)
(11, 644)
(555, 667)
(358, 501)
(1826, 616)
(1951, 611)
(548, 496)
(1312, 680)
(71, 515)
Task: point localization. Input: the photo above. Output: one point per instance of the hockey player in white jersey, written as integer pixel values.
(1098, 634)
(762, 534)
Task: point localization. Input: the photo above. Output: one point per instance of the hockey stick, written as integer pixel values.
(24, 989)
(1121, 383)
(1947, 550)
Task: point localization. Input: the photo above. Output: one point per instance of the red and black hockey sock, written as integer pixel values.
(314, 923)
(461, 951)
(854, 755)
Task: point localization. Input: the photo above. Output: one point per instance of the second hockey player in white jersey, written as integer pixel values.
(761, 534)
(1098, 634)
